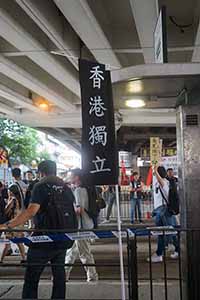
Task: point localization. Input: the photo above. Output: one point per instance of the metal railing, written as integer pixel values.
(160, 281)
(144, 279)
(103, 265)
(125, 207)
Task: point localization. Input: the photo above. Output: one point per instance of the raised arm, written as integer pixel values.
(159, 178)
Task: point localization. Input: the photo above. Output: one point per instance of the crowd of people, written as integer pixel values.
(48, 203)
(44, 201)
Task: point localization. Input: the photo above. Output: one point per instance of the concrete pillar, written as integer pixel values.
(134, 163)
(188, 144)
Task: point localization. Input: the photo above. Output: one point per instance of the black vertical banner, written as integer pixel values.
(99, 151)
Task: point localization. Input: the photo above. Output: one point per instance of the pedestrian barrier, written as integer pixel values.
(54, 236)
(125, 209)
(139, 274)
(103, 265)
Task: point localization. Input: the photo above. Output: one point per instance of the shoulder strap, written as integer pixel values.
(20, 190)
(21, 194)
(163, 196)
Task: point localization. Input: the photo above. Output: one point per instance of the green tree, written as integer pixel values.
(20, 141)
(43, 155)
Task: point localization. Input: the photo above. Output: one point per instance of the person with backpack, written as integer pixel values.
(81, 248)
(52, 208)
(164, 210)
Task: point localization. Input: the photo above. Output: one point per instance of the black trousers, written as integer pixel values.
(33, 273)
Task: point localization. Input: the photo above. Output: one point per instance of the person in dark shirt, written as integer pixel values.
(38, 254)
(170, 175)
(136, 197)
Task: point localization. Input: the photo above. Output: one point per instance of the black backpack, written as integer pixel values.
(93, 210)
(56, 212)
(59, 212)
(173, 201)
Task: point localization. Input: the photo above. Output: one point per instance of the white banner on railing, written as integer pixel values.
(170, 162)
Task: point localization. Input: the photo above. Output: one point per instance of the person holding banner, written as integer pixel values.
(161, 213)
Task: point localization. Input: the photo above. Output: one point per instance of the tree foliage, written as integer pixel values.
(21, 142)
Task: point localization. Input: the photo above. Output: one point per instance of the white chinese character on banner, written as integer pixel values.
(99, 165)
(98, 135)
(96, 76)
(97, 106)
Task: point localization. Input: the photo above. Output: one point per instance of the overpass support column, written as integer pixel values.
(188, 144)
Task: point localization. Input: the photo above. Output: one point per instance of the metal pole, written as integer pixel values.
(123, 294)
(128, 268)
(134, 269)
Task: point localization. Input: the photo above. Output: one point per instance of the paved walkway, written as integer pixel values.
(105, 254)
(102, 290)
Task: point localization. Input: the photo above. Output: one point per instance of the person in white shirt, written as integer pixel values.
(162, 216)
(81, 248)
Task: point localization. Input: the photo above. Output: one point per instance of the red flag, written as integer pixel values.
(124, 180)
(149, 177)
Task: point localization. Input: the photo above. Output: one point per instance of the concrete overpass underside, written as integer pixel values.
(39, 51)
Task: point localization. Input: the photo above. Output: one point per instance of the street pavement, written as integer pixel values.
(103, 290)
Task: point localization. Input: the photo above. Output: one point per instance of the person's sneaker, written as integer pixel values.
(92, 241)
(174, 255)
(170, 248)
(105, 222)
(155, 258)
(92, 280)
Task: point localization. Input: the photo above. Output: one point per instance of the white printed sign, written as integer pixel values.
(81, 235)
(156, 233)
(170, 162)
(162, 230)
(40, 239)
(123, 234)
(5, 241)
